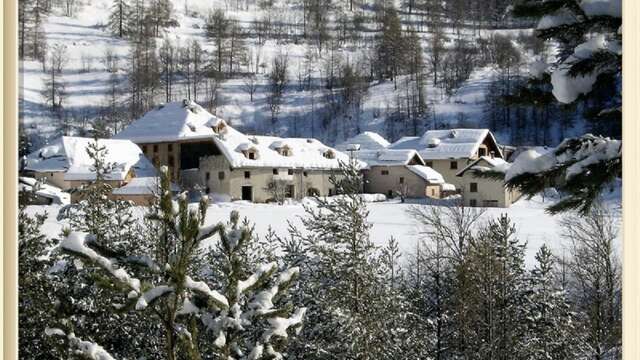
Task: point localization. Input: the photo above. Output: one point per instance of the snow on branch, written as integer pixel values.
(75, 243)
(149, 296)
(87, 349)
(202, 288)
(263, 272)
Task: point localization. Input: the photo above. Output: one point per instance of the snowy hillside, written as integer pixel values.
(308, 108)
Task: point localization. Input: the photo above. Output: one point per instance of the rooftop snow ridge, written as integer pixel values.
(367, 140)
(69, 154)
(445, 144)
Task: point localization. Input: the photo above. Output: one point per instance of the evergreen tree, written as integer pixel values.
(118, 18)
(551, 330)
(160, 284)
(216, 30)
(33, 288)
(498, 285)
(390, 46)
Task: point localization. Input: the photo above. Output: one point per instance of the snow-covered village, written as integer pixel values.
(320, 179)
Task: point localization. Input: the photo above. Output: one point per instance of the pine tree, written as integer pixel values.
(216, 30)
(551, 330)
(390, 46)
(33, 288)
(111, 222)
(160, 284)
(496, 269)
(118, 19)
(579, 168)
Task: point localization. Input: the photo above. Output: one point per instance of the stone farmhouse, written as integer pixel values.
(392, 172)
(66, 164)
(453, 152)
(203, 151)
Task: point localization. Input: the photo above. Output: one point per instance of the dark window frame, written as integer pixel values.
(247, 174)
(453, 165)
(473, 187)
(384, 172)
(220, 175)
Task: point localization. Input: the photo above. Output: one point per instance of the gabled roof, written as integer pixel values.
(427, 173)
(68, 154)
(45, 190)
(491, 162)
(388, 157)
(179, 121)
(148, 185)
(304, 153)
(367, 140)
(446, 144)
(174, 121)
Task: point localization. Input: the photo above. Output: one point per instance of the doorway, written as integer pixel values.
(247, 193)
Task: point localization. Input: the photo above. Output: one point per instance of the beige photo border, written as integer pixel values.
(631, 180)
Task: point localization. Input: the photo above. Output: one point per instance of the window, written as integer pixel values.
(390, 194)
(490, 203)
(482, 152)
(384, 172)
(208, 190)
(252, 155)
(433, 192)
(473, 187)
(207, 176)
(429, 164)
(473, 203)
(247, 174)
(170, 147)
(401, 180)
(290, 172)
(275, 171)
(304, 173)
(453, 165)
(171, 161)
(220, 175)
(144, 148)
(155, 148)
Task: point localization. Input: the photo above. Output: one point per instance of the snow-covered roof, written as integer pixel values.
(68, 154)
(492, 162)
(387, 157)
(367, 141)
(187, 121)
(304, 153)
(45, 190)
(445, 144)
(174, 121)
(142, 186)
(427, 173)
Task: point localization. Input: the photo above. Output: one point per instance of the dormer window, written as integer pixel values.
(453, 134)
(220, 127)
(248, 150)
(433, 142)
(329, 154)
(281, 148)
(285, 151)
(482, 152)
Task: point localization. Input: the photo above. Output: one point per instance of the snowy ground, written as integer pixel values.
(388, 219)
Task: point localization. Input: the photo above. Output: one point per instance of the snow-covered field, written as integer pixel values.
(388, 218)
